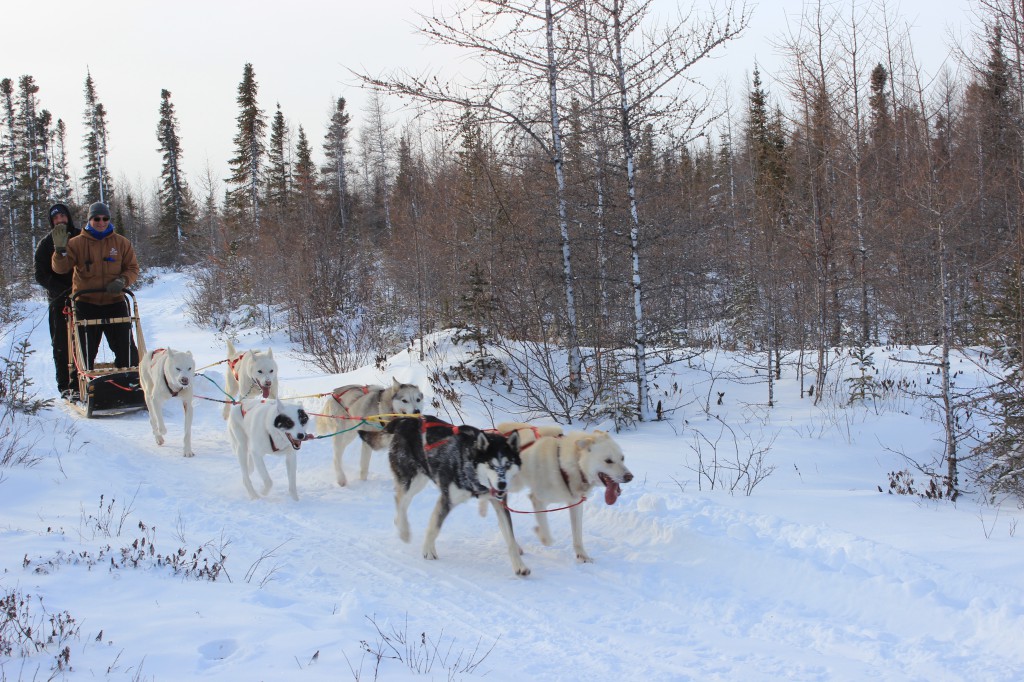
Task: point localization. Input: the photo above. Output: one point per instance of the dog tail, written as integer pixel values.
(326, 424)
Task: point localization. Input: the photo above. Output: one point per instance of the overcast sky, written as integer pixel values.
(300, 50)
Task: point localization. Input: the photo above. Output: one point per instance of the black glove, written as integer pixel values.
(116, 286)
(60, 238)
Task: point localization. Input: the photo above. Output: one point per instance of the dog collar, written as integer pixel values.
(174, 394)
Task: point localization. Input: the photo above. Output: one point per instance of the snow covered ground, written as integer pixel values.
(816, 575)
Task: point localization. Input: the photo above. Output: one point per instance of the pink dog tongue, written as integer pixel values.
(266, 392)
(612, 490)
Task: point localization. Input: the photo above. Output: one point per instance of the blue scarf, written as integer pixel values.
(100, 235)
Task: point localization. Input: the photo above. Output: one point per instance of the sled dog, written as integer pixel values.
(563, 470)
(250, 372)
(258, 428)
(166, 373)
(464, 464)
(348, 405)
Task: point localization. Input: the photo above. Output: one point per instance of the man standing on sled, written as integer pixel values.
(99, 258)
(57, 286)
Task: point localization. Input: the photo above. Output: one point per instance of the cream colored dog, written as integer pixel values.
(166, 373)
(562, 469)
(250, 373)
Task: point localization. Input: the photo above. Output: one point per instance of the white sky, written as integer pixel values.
(299, 49)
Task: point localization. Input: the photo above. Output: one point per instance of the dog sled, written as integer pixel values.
(104, 389)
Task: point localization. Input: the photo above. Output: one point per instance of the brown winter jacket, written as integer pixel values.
(96, 263)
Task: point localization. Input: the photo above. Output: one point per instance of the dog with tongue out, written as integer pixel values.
(563, 469)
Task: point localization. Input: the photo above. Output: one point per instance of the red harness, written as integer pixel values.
(338, 396)
(426, 425)
(233, 363)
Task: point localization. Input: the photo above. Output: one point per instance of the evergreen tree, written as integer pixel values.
(177, 206)
(60, 176)
(96, 177)
(247, 166)
(8, 166)
(1001, 453)
(335, 171)
(279, 180)
(31, 165)
(305, 169)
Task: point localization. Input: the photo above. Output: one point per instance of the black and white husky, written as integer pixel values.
(464, 462)
(258, 428)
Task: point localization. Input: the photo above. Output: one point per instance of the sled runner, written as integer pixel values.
(105, 389)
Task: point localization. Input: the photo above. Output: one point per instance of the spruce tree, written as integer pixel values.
(305, 176)
(245, 193)
(305, 169)
(96, 178)
(30, 164)
(278, 172)
(335, 171)
(1001, 453)
(177, 207)
(8, 167)
(60, 176)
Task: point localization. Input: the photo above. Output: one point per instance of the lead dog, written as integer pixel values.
(258, 428)
(250, 372)
(345, 412)
(166, 373)
(563, 470)
(464, 464)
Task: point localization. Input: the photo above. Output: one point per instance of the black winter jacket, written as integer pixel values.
(54, 283)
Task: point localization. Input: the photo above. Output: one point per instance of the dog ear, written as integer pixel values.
(395, 384)
(303, 417)
(513, 440)
(481, 441)
(583, 444)
(270, 352)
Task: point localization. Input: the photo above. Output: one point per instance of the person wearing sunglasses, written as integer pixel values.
(100, 258)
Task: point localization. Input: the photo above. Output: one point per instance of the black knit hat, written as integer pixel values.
(99, 208)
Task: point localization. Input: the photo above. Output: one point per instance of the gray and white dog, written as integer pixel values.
(353, 410)
(464, 464)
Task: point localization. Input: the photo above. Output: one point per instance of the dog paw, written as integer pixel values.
(189, 453)
(342, 481)
(430, 554)
(544, 538)
(583, 558)
(523, 570)
(159, 439)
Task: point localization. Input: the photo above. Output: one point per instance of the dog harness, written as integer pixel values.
(338, 396)
(174, 394)
(426, 425)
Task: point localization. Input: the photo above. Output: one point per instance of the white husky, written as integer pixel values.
(166, 373)
(346, 411)
(258, 428)
(563, 470)
(250, 372)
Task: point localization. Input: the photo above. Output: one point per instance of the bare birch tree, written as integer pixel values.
(645, 69)
(503, 35)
